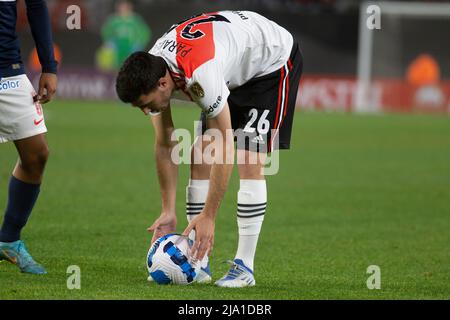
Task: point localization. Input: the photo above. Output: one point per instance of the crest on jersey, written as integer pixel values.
(197, 89)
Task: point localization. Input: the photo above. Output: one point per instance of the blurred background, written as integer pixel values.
(409, 65)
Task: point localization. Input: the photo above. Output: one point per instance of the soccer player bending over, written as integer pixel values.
(243, 70)
(22, 121)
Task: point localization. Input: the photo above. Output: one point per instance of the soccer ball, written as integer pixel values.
(169, 261)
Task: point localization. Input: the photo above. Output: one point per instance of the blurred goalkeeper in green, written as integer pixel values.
(123, 33)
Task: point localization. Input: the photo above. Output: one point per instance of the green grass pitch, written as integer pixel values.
(354, 191)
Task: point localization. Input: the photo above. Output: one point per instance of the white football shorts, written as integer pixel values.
(20, 116)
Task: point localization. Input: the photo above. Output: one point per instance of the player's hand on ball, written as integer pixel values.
(204, 235)
(47, 87)
(166, 223)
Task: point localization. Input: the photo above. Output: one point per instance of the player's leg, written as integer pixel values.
(267, 125)
(33, 156)
(23, 191)
(252, 201)
(197, 191)
(23, 124)
(198, 186)
(24, 185)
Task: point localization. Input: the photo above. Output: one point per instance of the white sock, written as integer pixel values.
(196, 194)
(252, 201)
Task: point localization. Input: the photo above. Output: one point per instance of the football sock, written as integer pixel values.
(21, 199)
(252, 201)
(196, 194)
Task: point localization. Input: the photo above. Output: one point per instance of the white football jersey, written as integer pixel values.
(219, 51)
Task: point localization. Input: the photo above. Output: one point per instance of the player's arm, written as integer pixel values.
(167, 172)
(223, 161)
(209, 90)
(39, 21)
(220, 174)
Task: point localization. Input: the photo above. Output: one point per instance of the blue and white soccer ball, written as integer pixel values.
(169, 262)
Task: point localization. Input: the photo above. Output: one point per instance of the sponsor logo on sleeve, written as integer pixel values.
(214, 106)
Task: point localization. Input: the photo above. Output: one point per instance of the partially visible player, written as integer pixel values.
(243, 70)
(22, 121)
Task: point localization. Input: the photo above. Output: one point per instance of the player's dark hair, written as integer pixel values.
(139, 75)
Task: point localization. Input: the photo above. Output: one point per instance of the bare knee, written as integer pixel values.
(200, 171)
(250, 165)
(33, 163)
(251, 172)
